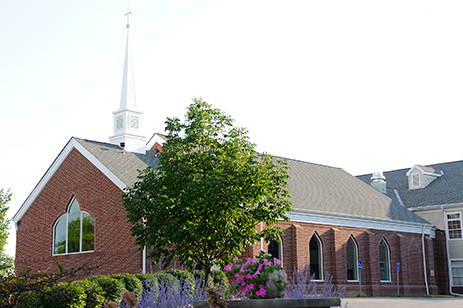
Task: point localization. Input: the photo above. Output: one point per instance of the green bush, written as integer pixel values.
(95, 295)
(182, 276)
(131, 283)
(164, 276)
(147, 280)
(63, 295)
(112, 288)
(218, 277)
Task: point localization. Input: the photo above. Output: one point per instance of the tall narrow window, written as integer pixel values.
(457, 273)
(351, 253)
(384, 263)
(74, 231)
(454, 225)
(274, 248)
(316, 269)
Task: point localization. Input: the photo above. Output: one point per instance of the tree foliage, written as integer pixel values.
(211, 190)
(6, 261)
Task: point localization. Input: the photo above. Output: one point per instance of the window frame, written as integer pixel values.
(448, 220)
(387, 262)
(451, 272)
(355, 265)
(320, 256)
(280, 250)
(413, 175)
(66, 217)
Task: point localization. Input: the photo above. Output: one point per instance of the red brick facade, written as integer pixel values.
(115, 250)
(405, 248)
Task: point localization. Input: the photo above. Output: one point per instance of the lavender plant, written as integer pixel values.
(167, 292)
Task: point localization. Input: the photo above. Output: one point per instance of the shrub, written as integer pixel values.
(131, 283)
(112, 288)
(63, 295)
(218, 277)
(94, 292)
(185, 278)
(147, 281)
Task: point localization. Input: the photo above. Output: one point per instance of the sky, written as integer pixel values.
(364, 86)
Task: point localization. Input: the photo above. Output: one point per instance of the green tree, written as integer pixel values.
(211, 190)
(6, 261)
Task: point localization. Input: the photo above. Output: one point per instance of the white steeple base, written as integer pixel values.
(133, 143)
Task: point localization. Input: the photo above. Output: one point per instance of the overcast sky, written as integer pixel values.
(360, 85)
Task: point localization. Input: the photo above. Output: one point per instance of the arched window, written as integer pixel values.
(384, 263)
(274, 248)
(316, 260)
(352, 258)
(74, 231)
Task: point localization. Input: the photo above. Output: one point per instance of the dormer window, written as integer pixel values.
(421, 176)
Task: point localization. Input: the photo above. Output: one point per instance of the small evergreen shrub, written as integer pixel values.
(94, 292)
(185, 278)
(131, 283)
(218, 277)
(112, 288)
(63, 295)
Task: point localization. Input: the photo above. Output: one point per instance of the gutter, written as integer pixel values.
(448, 253)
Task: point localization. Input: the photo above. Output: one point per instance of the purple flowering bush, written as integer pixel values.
(262, 277)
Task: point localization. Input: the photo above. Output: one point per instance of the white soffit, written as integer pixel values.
(72, 144)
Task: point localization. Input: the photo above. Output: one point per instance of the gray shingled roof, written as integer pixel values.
(328, 189)
(124, 165)
(446, 189)
(312, 187)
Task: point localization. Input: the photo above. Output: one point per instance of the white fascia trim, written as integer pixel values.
(415, 166)
(424, 172)
(359, 222)
(154, 139)
(72, 144)
(433, 208)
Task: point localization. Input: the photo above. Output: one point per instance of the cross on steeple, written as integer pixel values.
(127, 14)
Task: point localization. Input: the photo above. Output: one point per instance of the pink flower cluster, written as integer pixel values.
(252, 276)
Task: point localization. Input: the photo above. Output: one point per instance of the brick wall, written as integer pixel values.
(405, 248)
(114, 248)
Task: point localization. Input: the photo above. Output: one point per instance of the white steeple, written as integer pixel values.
(128, 119)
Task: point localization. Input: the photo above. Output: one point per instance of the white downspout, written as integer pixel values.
(144, 260)
(424, 261)
(143, 269)
(448, 253)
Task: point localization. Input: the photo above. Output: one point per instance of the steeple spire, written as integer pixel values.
(128, 119)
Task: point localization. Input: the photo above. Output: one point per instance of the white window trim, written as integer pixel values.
(280, 249)
(67, 233)
(320, 246)
(447, 225)
(388, 260)
(356, 258)
(419, 179)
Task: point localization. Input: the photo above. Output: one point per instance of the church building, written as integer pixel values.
(355, 232)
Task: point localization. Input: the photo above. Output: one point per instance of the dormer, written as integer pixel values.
(421, 176)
